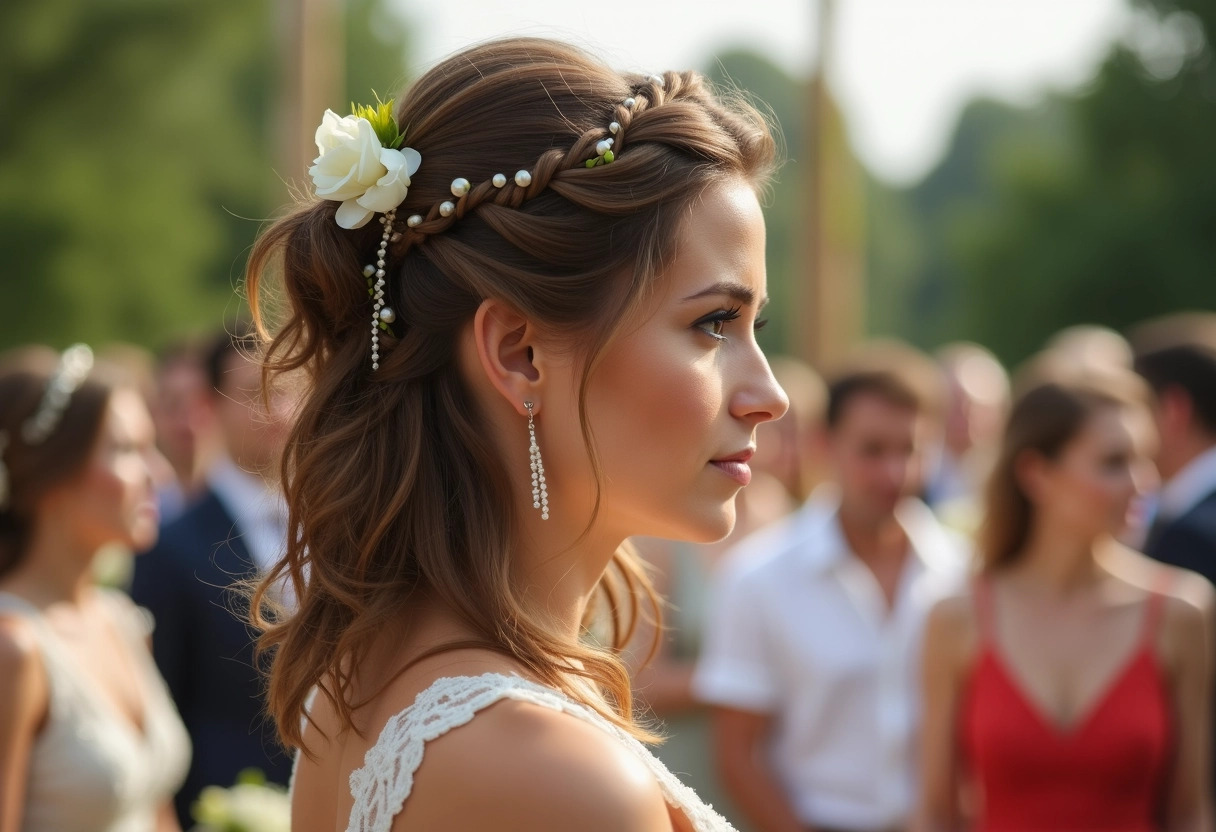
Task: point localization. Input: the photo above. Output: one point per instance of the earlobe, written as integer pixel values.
(506, 351)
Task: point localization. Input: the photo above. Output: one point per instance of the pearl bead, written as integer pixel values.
(657, 80)
(369, 270)
(614, 127)
(523, 179)
(446, 208)
(629, 102)
(414, 221)
(388, 315)
(602, 147)
(380, 273)
(499, 180)
(460, 187)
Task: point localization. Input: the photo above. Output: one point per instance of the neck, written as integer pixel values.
(871, 536)
(1182, 452)
(55, 568)
(1060, 560)
(560, 579)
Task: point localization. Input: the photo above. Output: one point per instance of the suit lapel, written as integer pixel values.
(230, 555)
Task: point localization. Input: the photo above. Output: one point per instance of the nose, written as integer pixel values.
(758, 397)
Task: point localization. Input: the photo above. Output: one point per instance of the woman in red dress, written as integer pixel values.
(1068, 689)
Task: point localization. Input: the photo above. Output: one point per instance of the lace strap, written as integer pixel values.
(381, 786)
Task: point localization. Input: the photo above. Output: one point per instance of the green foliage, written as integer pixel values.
(137, 159)
(1095, 207)
(781, 98)
(382, 121)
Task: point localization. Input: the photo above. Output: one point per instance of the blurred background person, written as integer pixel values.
(1177, 356)
(89, 738)
(183, 411)
(808, 660)
(1090, 346)
(1069, 688)
(785, 466)
(1075, 348)
(977, 402)
(192, 581)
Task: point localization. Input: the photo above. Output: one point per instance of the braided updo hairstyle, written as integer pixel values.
(391, 482)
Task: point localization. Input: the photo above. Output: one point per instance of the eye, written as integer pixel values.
(714, 323)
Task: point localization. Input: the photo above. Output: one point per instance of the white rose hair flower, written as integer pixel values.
(362, 164)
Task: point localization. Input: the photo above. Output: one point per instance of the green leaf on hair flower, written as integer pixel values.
(382, 121)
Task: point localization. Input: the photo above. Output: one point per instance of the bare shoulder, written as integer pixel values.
(23, 686)
(1190, 604)
(521, 766)
(952, 629)
(315, 777)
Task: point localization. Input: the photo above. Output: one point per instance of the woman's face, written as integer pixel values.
(675, 399)
(1094, 484)
(113, 499)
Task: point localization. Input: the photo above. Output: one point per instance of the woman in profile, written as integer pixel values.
(89, 738)
(1070, 689)
(562, 267)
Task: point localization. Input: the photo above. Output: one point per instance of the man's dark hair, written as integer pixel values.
(236, 340)
(1189, 367)
(892, 371)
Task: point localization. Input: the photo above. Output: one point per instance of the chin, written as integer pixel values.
(708, 526)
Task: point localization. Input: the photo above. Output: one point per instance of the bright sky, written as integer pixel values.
(902, 70)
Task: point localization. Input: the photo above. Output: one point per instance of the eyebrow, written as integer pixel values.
(732, 289)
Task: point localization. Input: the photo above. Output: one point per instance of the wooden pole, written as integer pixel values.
(831, 294)
(312, 67)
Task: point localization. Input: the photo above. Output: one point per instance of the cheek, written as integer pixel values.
(653, 411)
(1095, 491)
(118, 496)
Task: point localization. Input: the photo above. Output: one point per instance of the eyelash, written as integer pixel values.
(723, 317)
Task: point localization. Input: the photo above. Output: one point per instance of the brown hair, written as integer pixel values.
(574, 251)
(1044, 420)
(34, 470)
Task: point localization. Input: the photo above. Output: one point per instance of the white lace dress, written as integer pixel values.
(382, 785)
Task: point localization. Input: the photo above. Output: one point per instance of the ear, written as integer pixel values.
(1176, 410)
(506, 347)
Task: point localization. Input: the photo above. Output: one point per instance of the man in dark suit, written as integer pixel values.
(191, 583)
(1177, 356)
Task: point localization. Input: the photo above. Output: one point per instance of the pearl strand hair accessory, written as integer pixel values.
(74, 367)
(382, 315)
(392, 188)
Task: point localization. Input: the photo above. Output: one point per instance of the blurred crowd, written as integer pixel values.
(933, 612)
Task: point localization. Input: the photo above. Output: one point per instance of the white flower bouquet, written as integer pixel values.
(252, 805)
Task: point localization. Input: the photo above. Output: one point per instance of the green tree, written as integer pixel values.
(1093, 207)
(137, 159)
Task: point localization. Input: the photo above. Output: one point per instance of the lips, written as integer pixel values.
(735, 466)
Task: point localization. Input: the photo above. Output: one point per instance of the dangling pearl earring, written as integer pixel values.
(540, 492)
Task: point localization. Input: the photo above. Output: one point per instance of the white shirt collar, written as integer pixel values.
(823, 544)
(1188, 487)
(259, 511)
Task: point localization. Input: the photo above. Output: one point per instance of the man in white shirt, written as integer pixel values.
(810, 653)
